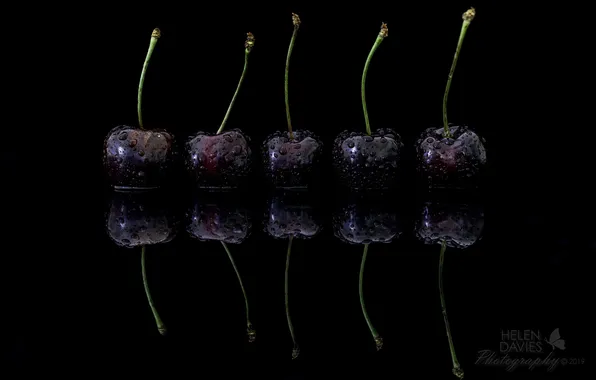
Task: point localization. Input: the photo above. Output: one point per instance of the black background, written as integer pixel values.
(76, 304)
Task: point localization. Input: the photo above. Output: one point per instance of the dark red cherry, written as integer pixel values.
(368, 162)
(454, 162)
(216, 216)
(292, 163)
(145, 218)
(137, 158)
(219, 160)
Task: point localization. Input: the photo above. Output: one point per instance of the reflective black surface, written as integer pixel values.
(143, 218)
(213, 216)
(293, 213)
(368, 218)
(492, 278)
(458, 225)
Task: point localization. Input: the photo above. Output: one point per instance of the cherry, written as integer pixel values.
(292, 161)
(452, 156)
(213, 217)
(368, 160)
(135, 157)
(291, 158)
(450, 162)
(223, 159)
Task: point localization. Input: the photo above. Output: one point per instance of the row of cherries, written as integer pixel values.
(139, 158)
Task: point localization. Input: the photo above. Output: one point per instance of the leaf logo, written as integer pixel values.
(555, 340)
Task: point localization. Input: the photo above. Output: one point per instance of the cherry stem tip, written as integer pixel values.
(469, 14)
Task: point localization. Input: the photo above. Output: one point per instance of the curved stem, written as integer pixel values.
(296, 21)
(252, 334)
(382, 34)
(160, 325)
(248, 45)
(457, 370)
(296, 350)
(154, 37)
(468, 16)
(373, 331)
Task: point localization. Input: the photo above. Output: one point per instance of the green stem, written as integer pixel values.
(296, 350)
(468, 16)
(296, 21)
(248, 45)
(382, 34)
(457, 370)
(160, 325)
(252, 334)
(154, 37)
(373, 331)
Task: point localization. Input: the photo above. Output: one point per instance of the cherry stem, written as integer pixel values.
(296, 350)
(457, 370)
(378, 339)
(154, 37)
(296, 21)
(248, 45)
(382, 34)
(468, 16)
(160, 325)
(252, 334)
